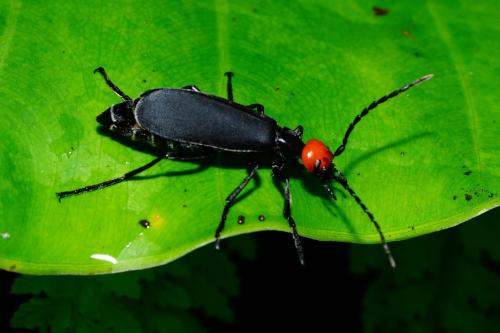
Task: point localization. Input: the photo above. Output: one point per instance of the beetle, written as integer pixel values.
(186, 124)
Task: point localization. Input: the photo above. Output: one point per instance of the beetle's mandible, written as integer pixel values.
(185, 124)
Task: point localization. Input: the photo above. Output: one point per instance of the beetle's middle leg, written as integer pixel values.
(287, 211)
(110, 84)
(229, 202)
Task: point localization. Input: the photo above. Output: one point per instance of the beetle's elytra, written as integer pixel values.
(188, 124)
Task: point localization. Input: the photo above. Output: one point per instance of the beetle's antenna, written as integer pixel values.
(338, 176)
(372, 106)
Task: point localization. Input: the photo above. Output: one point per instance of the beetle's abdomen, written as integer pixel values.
(192, 117)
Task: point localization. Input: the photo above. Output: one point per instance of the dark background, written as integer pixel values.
(445, 282)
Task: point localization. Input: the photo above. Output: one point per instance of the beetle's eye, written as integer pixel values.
(316, 156)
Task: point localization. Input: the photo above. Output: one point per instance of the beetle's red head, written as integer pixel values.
(317, 157)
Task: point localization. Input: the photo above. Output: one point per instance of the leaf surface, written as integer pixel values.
(422, 162)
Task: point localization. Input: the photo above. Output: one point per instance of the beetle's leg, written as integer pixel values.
(192, 87)
(229, 202)
(110, 84)
(229, 85)
(257, 107)
(287, 210)
(107, 183)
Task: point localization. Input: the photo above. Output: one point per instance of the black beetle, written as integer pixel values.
(187, 124)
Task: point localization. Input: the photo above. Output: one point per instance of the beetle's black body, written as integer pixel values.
(174, 114)
(188, 124)
(170, 119)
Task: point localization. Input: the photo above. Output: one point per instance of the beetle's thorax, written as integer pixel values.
(120, 119)
(289, 142)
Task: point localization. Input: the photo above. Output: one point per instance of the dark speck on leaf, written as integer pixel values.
(261, 217)
(277, 88)
(468, 197)
(12, 268)
(377, 11)
(233, 18)
(359, 173)
(454, 197)
(144, 223)
(402, 153)
(417, 54)
(184, 205)
(241, 219)
(467, 173)
(491, 195)
(292, 93)
(144, 81)
(408, 34)
(185, 190)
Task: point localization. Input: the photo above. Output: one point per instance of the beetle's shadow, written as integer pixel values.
(368, 155)
(294, 170)
(219, 159)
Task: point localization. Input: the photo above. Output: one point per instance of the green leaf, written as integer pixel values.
(422, 162)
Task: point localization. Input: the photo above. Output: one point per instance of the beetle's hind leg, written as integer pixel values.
(229, 202)
(197, 155)
(110, 84)
(108, 183)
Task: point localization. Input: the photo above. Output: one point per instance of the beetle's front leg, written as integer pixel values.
(110, 84)
(278, 174)
(229, 202)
